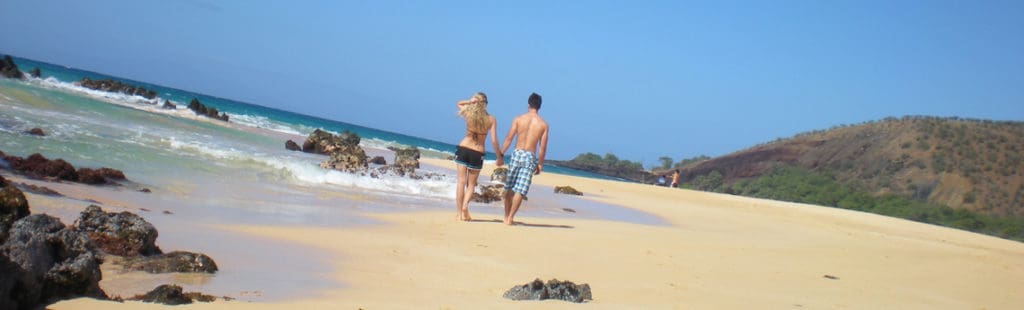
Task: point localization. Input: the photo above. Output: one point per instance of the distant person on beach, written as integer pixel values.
(661, 180)
(469, 154)
(675, 179)
(528, 129)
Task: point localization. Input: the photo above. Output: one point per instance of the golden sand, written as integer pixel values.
(720, 252)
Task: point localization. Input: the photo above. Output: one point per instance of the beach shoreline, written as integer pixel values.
(720, 251)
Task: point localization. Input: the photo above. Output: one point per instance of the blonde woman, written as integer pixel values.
(469, 154)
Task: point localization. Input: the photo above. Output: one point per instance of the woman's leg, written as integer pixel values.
(460, 191)
(470, 188)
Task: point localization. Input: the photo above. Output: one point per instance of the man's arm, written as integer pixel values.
(543, 149)
(509, 136)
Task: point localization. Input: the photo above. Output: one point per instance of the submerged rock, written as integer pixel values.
(489, 193)
(122, 234)
(167, 294)
(113, 86)
(170, 106)
(36, 132)
(35, 72)
(568, 190)
(292, 146)
(99, 176)
(38, 166)
(347, 158)
(553, 289)
(9, 69)
(201, 109)
(53, 263)
(379, 160)
(177, 261)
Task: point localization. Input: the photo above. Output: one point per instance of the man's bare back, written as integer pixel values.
(529, 130)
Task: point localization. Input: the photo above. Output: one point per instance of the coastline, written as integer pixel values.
(720, 251)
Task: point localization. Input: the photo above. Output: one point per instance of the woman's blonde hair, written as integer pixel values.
(476, 113)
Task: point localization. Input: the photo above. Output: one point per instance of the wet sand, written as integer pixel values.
(713, 252)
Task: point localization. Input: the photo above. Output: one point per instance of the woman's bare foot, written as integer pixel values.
(465, 215)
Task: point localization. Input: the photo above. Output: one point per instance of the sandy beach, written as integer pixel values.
(718, 252)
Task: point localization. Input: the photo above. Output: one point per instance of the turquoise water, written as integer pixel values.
(270, 118)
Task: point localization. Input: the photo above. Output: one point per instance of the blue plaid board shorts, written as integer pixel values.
(520, 171)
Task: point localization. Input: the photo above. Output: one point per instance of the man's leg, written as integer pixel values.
(508, 204)
(517, 199)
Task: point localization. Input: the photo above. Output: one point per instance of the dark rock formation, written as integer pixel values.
(39, 190)
(379, 160)
(322, 142)
(292, 146)
(348, 158)
(568, 190)
(53, 263)
(36, 132)
(344, 151)
(99, 176)
(122, 234)
(200, 109)
(554, 289)
(13, 206)
(489, 193)
(499, 175)
(10, 70)
(37, 166)
(35, 72)
(165, 294)
(113, 86)
(177, 261)
(170, 106)
(407, 159)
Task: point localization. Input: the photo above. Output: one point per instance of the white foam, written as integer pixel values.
(263, 122)
(306, 171)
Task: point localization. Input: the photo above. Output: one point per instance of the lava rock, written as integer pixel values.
(36, 165)
(499, 174)
(201, 109)
(167, 294)
(55, 262)
(488, 193)
(407, 159)
(553, 289)
(347, 158)
(177, 261)
(378, 160)
(568, 190)
(292, 146)
(122, 234)
(35, 72)
(13, 207)
(322, 142)
(36, 132)
(169, 106)
(99, 176)
(113, 86)
(9, 69)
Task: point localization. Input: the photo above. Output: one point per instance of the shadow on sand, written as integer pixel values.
(517, 223)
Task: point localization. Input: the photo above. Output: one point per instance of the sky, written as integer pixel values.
(640, 79)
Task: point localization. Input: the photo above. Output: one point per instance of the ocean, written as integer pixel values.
(206, 176)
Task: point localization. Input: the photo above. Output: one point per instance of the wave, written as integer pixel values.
(307, 171)
(259, 121)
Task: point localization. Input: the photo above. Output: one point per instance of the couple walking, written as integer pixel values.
(531, 134)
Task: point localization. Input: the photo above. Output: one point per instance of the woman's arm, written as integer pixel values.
(494, 142)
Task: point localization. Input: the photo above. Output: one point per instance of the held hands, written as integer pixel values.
(499, 161)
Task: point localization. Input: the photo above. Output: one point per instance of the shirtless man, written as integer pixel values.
(528, 129)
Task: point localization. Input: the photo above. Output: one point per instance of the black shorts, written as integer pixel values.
(469, 158)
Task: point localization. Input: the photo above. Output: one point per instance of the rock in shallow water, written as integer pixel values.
(553, 289)
(177, 261)
(170, 294)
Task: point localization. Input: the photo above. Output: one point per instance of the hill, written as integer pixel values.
(961, 163)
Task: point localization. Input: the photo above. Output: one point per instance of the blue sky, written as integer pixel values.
(640, 79)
